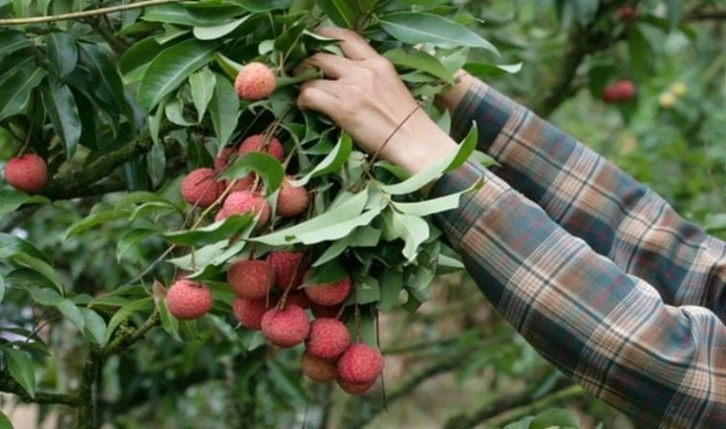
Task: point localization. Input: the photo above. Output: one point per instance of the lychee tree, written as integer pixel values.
(172, 219)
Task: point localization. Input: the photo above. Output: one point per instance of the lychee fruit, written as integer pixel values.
(27, 173)
(317, 369)
(255, 81)
(200, 187)
(258, 143)
(627, 14)
(329, 294)
(187, 299)
(298, 298)
(292, 200)
(222, 160)
(328, 338)
(251, 278)
(289, 266)
(249, 312)
(360, 363)
(241, 202)
(321, 311)
(619, 92)
(354, 388)
(287, 327)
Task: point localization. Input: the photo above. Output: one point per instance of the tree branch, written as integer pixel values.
(128, 338)
(84, 14)
(548, 401)
(9, 385)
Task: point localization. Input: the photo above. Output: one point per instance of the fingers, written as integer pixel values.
(352, 44)
(318, 95)
(332, 65)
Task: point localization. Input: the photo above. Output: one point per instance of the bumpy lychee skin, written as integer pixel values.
(289, 266)
(619, 92)
(317, 369)
(355, 388)
(257, 143)
(329, 294)
(241, 202)
(27, 173)
(328, 338)
(251, 278)
(298, 298)
(249, 312)
(200, 187)
(255, 81)
(285, 328)
(292, 201)
(187, 299)
(360, 363)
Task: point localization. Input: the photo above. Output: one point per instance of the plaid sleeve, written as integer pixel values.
(609, 331)
(592, 199)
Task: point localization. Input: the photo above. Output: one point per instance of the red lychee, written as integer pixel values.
(255, 81)
(241, 202)
(289, 266)
(328, 338)
(285, 328)
(251, 278)
(27, 173)
(292, 201)
(360, 363)
(200, 187)
(222, 160)
(258, 143)
(317, 369)
(329, 294)
(298, 298)
(187, 299)
(619, 92)
(249, 312)
(354, 388)
(627, 14)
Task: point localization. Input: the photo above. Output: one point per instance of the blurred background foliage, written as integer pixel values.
(453, 364)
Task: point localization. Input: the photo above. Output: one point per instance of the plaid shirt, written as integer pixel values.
(595, 270)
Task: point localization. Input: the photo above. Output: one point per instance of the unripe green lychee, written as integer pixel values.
(287, 327)
(289, 266)
(187, 299)
(251, 278)
(255, 81)
(241, 202)
(329, 294)
(317, 369)
(292, 201)
(328, 338)
(360, 363)
(27, 173)
(249, 312)
(258, 143)
(201, 187)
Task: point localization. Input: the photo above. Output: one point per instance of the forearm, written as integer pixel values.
(594, 200)
(609, 331)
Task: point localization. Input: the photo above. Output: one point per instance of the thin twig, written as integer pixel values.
(84, 14)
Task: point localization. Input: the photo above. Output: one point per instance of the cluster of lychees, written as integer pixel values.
(278, 294)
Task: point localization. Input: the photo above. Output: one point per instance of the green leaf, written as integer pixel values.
(2, 288)
(262, 5)
(218, 31)
(213, 233)
(104, 76)
(364, 236)
(127, 311)
(267, 167)
(417, 27)
(16, 90)
(11, 41)
(675, 13)
(367, 290)
(332, 162)
(420, 60)
(170, 68)
(138, 55)
(341, 12)
(22, 368)
(11, 244)
(39, 266)
(63, 112)
(69, 309)
(202, 85)
(11, 200)
(95, 329)
(451, 162)
(435, 205)
(223, 109)
(174, 110)
(491, 70)
(412, 229)
(5, 422)
(131, 239)
(558, 417)
(62, 53)
(391, 287)
(168, 322)
(93, 220)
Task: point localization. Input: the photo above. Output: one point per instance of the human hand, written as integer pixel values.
(364, 95)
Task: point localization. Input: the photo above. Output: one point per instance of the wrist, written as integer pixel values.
(451, 98)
